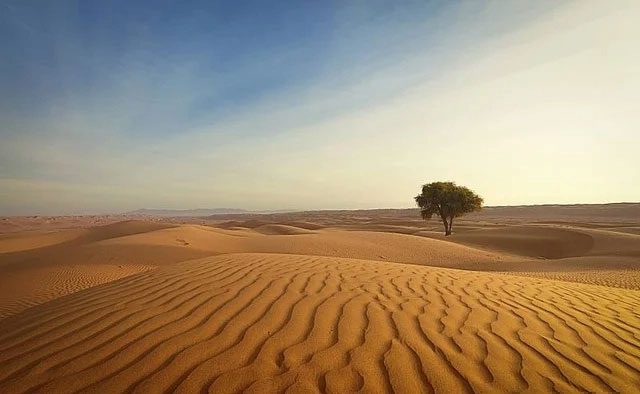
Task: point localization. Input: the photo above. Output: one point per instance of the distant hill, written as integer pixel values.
(199, 212)
(187, 212)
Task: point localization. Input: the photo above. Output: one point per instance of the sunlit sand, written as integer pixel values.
(373, 305)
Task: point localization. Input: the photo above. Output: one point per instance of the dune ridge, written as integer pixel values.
(624, 279)
(26, 288)
(36, 267)
(267, 322)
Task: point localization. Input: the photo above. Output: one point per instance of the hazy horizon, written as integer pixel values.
(114, 107)
(284, 210)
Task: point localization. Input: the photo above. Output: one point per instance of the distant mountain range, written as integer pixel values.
(196, 212)
(187, 212)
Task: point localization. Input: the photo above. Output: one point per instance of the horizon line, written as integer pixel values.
(274, 211)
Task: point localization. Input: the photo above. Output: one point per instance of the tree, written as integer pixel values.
(447, 200)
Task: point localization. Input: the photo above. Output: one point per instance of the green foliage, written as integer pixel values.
(447, 200)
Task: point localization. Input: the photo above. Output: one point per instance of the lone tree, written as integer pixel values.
(447, 200)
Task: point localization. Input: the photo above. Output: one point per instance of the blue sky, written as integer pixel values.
(116, 105)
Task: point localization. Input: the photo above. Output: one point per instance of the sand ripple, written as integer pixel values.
(268, 323)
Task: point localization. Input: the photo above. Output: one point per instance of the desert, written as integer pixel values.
(215, 196)
(329, 301)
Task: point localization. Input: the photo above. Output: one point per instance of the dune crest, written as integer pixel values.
(18, 242)
(36, 267)
(22, 289)
(281, 229)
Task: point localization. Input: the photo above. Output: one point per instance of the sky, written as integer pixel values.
(110, 106)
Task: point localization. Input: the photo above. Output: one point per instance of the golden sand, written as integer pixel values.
(150, 307)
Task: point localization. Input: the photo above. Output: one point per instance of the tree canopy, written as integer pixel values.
(447, 200)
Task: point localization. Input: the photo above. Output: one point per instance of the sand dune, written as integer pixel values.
(327, 242)
(16, 242)
(22, 289)
(547, 242)
(281, 229)
(38, 267)
(300, 306)
(265, 322)
(552, 242)
(622, 278)
(9, 224)
(29, 241)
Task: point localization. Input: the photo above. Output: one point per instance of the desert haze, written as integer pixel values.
(329, 301)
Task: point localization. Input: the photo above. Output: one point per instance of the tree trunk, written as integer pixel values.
(447, 229)
(450, 225)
